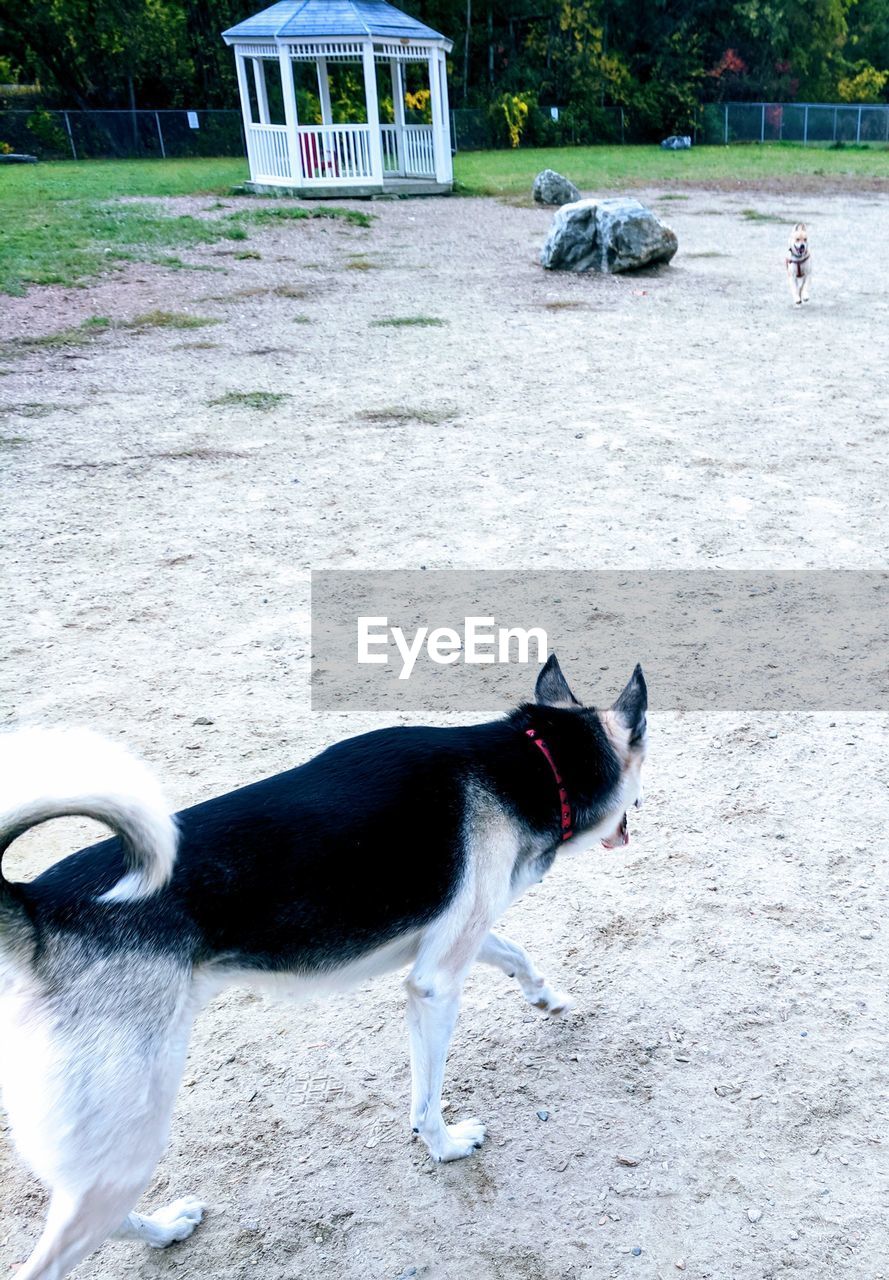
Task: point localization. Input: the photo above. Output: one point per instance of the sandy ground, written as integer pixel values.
(719, 1099)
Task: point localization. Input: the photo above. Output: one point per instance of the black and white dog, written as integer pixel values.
(400, 847)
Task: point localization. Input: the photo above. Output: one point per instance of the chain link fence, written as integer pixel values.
(91, 135)
(94, 135)
(727, 122)
(480, 129)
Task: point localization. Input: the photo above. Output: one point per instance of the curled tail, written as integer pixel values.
(54, 773)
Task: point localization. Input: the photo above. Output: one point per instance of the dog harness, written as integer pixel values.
(795, 260)
(564, 802)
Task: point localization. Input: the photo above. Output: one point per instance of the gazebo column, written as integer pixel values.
(373, 112)
(398, 108)
(262, 95)
(291, 118)
(244, 95)
(441, 134)
(324, 91)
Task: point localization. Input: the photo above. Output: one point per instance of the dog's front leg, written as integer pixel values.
(515, 962)
(433, 1000)
(794, 283)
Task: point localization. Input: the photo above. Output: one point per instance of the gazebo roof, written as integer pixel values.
(314, 19)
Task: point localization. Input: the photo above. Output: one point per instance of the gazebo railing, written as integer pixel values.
(339, 152)
(267, 151)
(418, 150)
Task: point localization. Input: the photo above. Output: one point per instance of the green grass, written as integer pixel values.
(262, 400)
(407, 322)
(80, 334)
(754, 215)
(295, 213)
(399, 416)
(165, 320)
(63, 223)
(31, 409)
(505, 173)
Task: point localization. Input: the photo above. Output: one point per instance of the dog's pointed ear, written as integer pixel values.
(552, 687)
(632, 706)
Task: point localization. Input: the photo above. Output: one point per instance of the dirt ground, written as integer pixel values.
(718, 1102)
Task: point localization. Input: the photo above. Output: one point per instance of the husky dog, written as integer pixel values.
(400, 847)
(799, 264)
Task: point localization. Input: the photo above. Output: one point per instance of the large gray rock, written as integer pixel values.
(551, 188)
(676, 142)
(606, 235)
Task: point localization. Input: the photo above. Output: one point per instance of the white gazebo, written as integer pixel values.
(289, 54)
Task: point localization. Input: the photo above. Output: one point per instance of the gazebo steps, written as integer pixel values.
(393, 188)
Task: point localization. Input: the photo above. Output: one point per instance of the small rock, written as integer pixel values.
(773, 733)
(408, 1273)
(551, 188)
(754, 1214)
(202, 720)
(680, 1264)
(542, 1115)
(866, 934)
(635, 1251)
(628, 1161)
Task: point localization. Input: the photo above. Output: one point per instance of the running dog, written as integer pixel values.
(799, 264)
(397, 848)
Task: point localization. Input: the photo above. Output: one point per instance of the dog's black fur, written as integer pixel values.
(313, 867)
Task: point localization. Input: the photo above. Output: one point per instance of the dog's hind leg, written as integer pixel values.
(76, 1225)
(515, 962)
(90, 1080)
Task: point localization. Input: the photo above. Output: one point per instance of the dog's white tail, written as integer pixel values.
(54, 773)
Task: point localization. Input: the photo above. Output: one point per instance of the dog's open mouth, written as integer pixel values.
(620, 837)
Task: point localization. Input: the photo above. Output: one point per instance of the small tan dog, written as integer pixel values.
(799, 263)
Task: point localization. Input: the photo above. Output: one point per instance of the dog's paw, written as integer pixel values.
(175, 1221)
(553, 1003)
(460, 1140)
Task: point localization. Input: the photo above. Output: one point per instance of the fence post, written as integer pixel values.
(160, 136)
(70, 134)
(806, 124)
(858, 132)
(887, 123)
(725, 138)
(762, 127)
(621, 126)
(834, 124)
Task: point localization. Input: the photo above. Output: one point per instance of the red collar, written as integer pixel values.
(567, 831)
